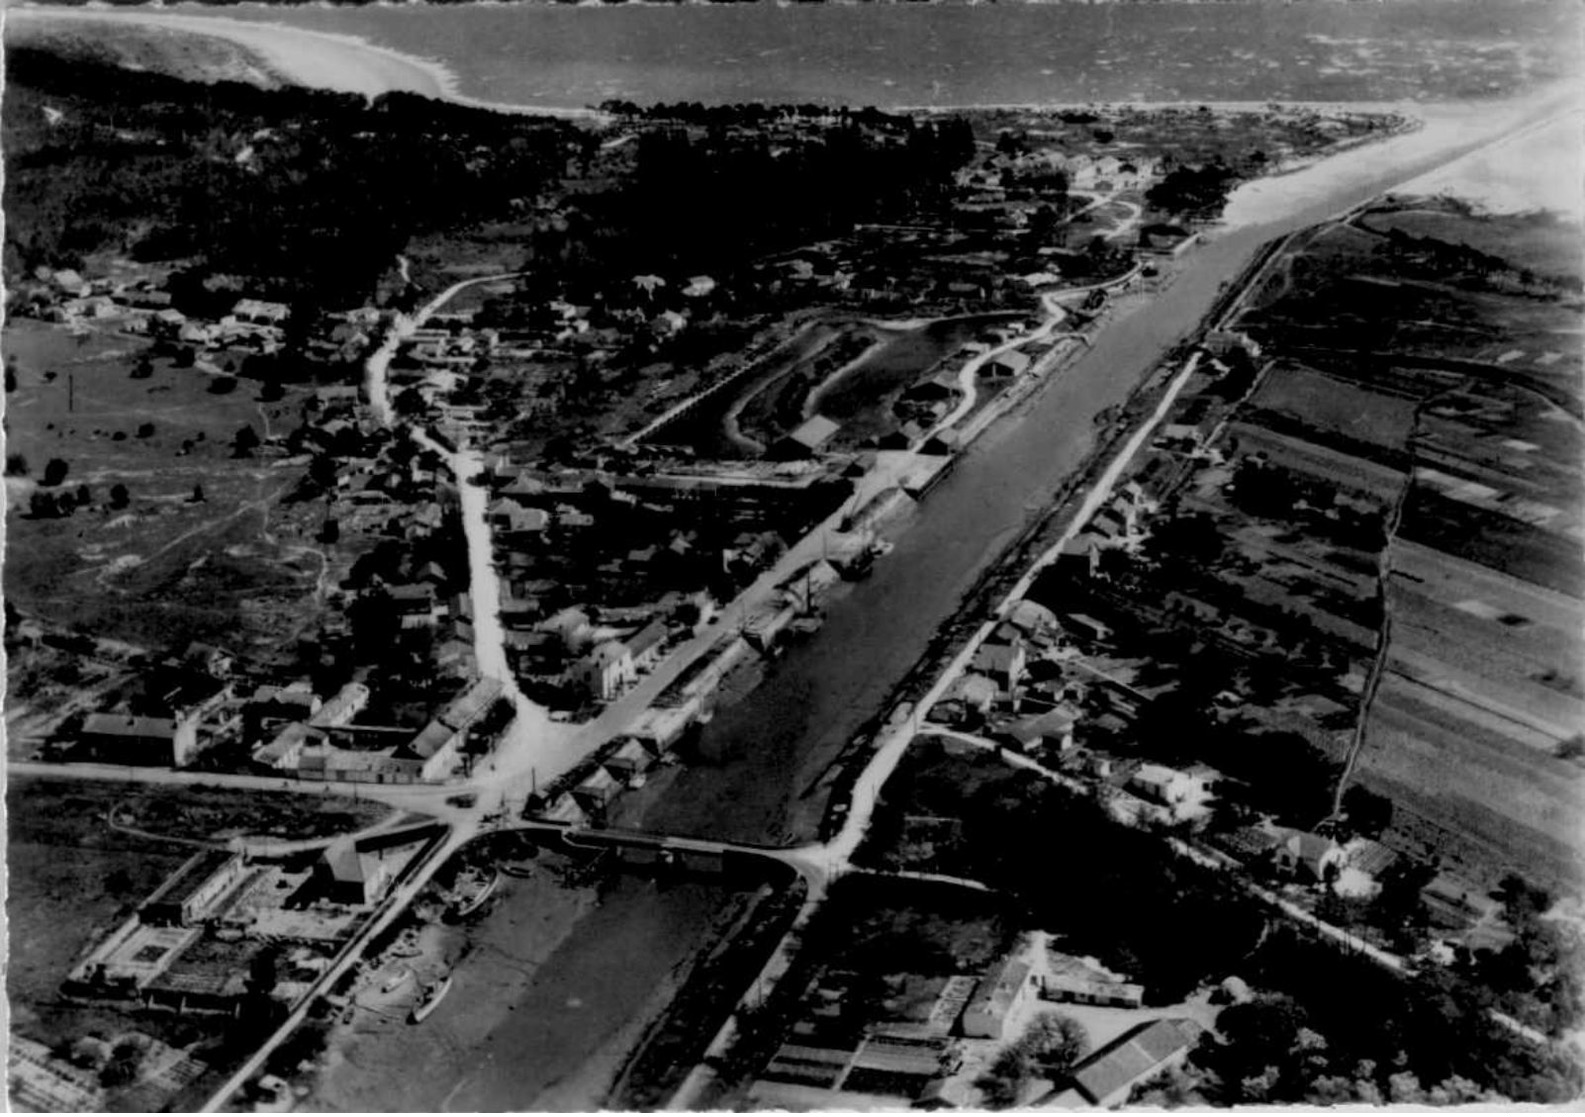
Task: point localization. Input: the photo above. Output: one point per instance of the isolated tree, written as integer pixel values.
(1056, 1044)
(119, 497)
(55, 471)
(16, 465)
(145, 430)
(85, 496)
(11, 374)
(1368, 813)
(126, 1060)
(143, 367)
(198, 494)
(246, 441)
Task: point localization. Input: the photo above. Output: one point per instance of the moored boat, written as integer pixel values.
(430, 999)
(467, 905)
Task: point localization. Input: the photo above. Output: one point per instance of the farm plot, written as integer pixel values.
(1333, 408)
(1552, 624)
(1516, 807)
(1540, 242)
(1492, 539)
(1294, 452)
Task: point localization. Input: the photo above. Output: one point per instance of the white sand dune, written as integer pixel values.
(316, 59)
(1540, 168)
(1449, 136)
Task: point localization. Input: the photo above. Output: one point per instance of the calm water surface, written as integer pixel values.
(909, 54)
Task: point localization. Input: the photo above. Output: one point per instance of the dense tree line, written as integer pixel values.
(714, 201)
(307, 194)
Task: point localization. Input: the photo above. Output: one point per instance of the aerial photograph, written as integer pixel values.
(793, 556)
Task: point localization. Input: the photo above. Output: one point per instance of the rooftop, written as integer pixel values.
(180, 886)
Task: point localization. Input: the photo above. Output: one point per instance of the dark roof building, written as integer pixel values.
(189, 893)
(1106, 1077)
(807, 441)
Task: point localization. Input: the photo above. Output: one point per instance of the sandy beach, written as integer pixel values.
(1444, 151)
(322, 61)
(316, 59)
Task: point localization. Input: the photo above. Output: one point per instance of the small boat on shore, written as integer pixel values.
(522, 872)
(467, 904)
(392, 984)
(430, 999)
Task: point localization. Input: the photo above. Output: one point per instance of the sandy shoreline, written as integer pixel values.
(316, 59)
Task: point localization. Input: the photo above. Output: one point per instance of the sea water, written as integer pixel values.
(969, 54)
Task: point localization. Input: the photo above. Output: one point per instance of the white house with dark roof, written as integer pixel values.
(1308, 856)
(605, 670)
(999, 996)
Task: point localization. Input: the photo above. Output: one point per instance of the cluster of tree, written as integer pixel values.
(1430, 257)
(1337, 1028)
(753, 114)
(1136, 896)
(1196, 192)
(715, 202)
(307, 193)
(1538, 977)
(1050, 1047)
(1274, 492)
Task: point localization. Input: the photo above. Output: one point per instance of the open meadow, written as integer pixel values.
(173, 535)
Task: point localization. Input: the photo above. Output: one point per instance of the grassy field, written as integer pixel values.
(217, 814)
(70, 880)
(1503, 806)
(1492, 539)
(234, 566)
(1334, 407)
(1538, 241)
(862, 398)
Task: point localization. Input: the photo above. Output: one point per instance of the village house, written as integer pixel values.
(1308, 857)
(1002, 661)
(1178, 791)
(646, 646)
(348, 875)
(1050, 730)
(967, 701)
(596, 791)
(1006, 365)
(1087, 627)
(605, 670)
(631, 759)
(143, 741)
(1072, 980)
(806, 441)
(1000, 995)
(1106, 1077)
(188, 895)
